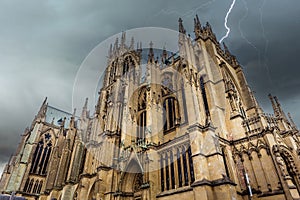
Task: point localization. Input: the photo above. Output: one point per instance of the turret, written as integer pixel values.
(275, 108)
(281, 112)
(151, 53)
(85, 113)
(197, 27)
(292, 121)
(42, 112)
(181, 28)
(123, 40)
(131, 47)
(72, 121)
(164, 55)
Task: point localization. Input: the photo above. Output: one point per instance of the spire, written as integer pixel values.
(139, 47)
(116, 46)
(181, 28)
(123, 39)
(197, 27)
(72, 121)
(74, 113)
(85, 112)
(132, 43)
(292, 121)
(86, 103)
(209, 33)
(42, 112)
(278, 104)
(226, 50)
(164, 55)
(208, 27)
(225, 47)
(151, 53)
(281, 112)
(276, 112)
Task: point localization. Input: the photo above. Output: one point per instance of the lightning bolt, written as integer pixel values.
(225, 23)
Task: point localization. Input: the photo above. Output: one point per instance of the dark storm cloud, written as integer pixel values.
(42, 44)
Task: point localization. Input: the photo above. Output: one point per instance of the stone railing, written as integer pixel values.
(270, 119)
(252, 125)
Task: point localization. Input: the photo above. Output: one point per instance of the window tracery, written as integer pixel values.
(182, 162)
(169, 115)
(41, 156)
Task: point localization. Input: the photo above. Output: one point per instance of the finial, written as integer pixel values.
(86, 103)
(84, 113)
(151, 44)
(281, 112)
(275, 108)
(116, 45)
(291, 120)
(198, 21)
(123, 39)
(208, 25)
(151, 53)
(197, 26)
(45, 101)
(181, 28)
(74, 113)
(72, 121)
(132, 43)
(42, 112)
(225, 47)
(164, 54)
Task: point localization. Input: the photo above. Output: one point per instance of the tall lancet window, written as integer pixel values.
(142, 125)
(113, 71)
(169, 113)
(142, 115)
(128, 64)
(41, 156)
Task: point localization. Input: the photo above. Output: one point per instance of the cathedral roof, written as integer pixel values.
(56, 116)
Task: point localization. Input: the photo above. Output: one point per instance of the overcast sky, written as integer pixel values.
(43, 43)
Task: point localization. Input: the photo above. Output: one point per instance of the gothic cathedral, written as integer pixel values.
(186, 126)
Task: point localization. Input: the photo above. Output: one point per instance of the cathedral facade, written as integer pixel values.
(187, 126)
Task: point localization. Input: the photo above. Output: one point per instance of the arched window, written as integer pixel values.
(26, 185)
(179, 168)
(46, 155)
(128, 63)
(41, 156)
(35, 187)
(181, 159)
(172, 170)
(142, 125)
(162, 177)
(185, 167)
(40, 187)
(113, 71)
(169, 113)
(30, 186)
(191, 165)
(167, 172)
(36, 157)
(204, 96)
